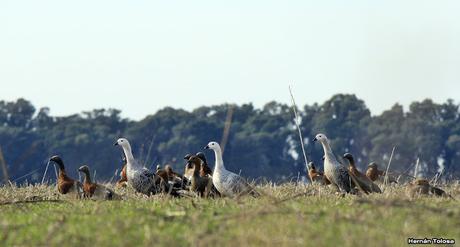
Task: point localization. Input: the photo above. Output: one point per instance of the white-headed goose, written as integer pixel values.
(335, 172)
(139, 177)
(226, 182)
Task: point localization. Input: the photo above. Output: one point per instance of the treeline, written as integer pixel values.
(261, 142)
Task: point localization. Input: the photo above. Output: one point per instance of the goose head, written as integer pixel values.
(194, 163)
(202, 157)
(372, 165)
(84, 169)
(123, 142)
(322, 138)
(420, 181)
(187, 156)
(195, 160)
(168, 169)
(349, 157)
(311, 165)
(56, 159)
(213, 146)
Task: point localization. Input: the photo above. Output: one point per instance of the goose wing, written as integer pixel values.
(343, 178)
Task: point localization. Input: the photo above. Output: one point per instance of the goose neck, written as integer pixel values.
(87, 179)
(219, 160)
(329, 155)
(130, 162)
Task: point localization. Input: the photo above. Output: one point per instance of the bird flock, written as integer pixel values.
(200, 180)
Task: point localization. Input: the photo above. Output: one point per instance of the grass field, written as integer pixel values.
(286, 216)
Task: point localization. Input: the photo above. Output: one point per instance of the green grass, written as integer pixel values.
(318, 217)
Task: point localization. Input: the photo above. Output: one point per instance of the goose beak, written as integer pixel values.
(315, 139)
(207, 147)
(115, 144)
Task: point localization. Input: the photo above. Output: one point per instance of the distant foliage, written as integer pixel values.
(262, 142)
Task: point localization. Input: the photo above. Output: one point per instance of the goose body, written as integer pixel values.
(226, 182)
(65, 184)
(335, 172)
(139, 177)
(94, 190)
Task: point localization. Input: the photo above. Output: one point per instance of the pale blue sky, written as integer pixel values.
(140, 56)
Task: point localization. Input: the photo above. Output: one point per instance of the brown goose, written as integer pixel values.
(364, 182)
(199, 184)
(173, 178)
(65, 184)
(317, 176)
(422, 187)
(94, 190)
(204, 170)
(373, 173)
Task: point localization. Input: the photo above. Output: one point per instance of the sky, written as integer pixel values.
(141, 56)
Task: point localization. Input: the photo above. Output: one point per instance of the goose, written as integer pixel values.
(94, 190)
(422, 187)
(174, 179)
(65, 184)
(364, 182)
(226, 182)
(123, 182)
(205, 170)
(139, 177)
(201, 185)
(316, 176)
(335, 172)
(373, 173)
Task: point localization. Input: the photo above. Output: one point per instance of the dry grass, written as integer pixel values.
(286, 215)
